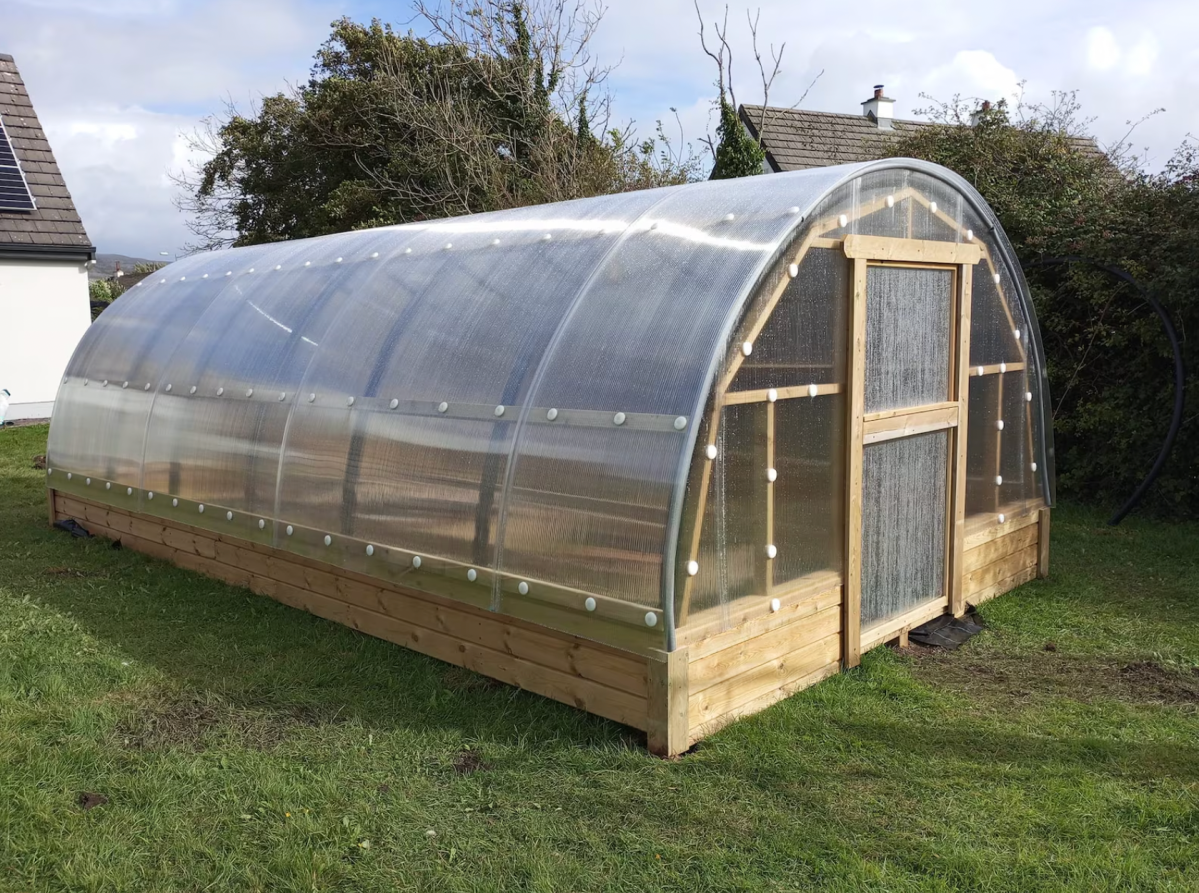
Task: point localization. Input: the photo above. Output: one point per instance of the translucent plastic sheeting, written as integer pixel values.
(809, 492)
(803, 342)
(903, 524)
(908, 323)
(512, 397)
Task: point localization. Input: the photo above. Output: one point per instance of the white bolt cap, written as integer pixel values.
(680, 423)
(1003, 367)
(775, 605)
(449, 245)
(499, 411)
(772, 395)
(618, 419)
(813, 390)
(69, 475)
(328, 540)
(375, 254)
(794, 209)
(128, 491)
(220, 392)
(200, 508)
(174, 503)
(393, 404)
(1016, 333)
(168, 386)
(228, 516)
(1002, 518)
(692, 568)
(890, 201)
(551, 414)
(747, 348)
(793, 270)
(349, 401)
(312, 398)
(87, 481)
(969, 235)
(711, 452)
(523, 588)
(772, 551)
(1028, 396)
(416, 562)
(190, 390)
(999, 424)
(370, 550)
(998, 480)
(843, 221)
(651, 619)
(290, 530)
(772, 475)
(249, 392)
(1033, 466)
(981, 371)
(932, 207)
(589, 603)
(261, 524)
(472, 575)
(282, 396)
(996, 278)
(108, 485)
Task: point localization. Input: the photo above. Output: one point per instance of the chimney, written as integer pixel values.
(878, 108)
(978, 113)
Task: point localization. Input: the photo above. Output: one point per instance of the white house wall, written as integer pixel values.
(44, 311)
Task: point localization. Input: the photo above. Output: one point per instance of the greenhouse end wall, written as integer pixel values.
(622, 418)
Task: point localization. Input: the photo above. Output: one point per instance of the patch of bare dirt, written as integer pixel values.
(1050, 673)
(89, 800)
(468, 762)
(188, 722)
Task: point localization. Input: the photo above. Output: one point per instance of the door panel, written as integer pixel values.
(903, 524)
(909, 316)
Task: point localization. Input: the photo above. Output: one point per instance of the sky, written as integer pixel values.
(118, 84)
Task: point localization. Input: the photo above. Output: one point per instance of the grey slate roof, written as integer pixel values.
(796, 139)
(54, 228)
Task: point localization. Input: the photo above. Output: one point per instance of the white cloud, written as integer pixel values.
(1103, 52)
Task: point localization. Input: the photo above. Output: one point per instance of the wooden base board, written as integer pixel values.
(716, 676)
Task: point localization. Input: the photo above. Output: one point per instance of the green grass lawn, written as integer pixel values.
(231, 743)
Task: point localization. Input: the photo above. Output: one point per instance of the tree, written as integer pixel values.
(501, 106)
(1110, 365)
(735, 153)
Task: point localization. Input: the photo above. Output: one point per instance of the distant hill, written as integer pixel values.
(106, 265)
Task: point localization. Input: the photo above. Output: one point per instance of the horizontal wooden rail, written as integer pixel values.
(794, 392)
(935, 418)
(925, 251)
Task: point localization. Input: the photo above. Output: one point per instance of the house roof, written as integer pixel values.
(796, 139)
(54, 228)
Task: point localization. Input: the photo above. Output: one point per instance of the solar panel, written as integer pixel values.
(14, 191)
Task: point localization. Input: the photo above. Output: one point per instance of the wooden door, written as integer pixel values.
(906, 463)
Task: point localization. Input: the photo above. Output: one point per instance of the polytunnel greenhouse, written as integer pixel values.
(668, 455)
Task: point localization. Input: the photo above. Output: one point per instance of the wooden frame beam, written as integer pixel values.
(851, 602)
(922, 251)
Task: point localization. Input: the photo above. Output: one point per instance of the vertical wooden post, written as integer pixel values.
(666, 729)
(1043, 544)
(851, 625)
(999, 440)
(957, 599)
(769, 497)
(50, 506)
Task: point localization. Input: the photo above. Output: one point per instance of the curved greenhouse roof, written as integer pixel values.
(511, 409)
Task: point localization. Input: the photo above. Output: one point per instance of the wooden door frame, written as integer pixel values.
(952, 415)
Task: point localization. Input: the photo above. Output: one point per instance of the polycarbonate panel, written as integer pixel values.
(104, 403)
(446, 373)
(908, 331)
(803, 342)
(640, 340)
(903, 524)
(216, 434)
(1019, 483)
(732, 560)
(809, 493)
(982, 446)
